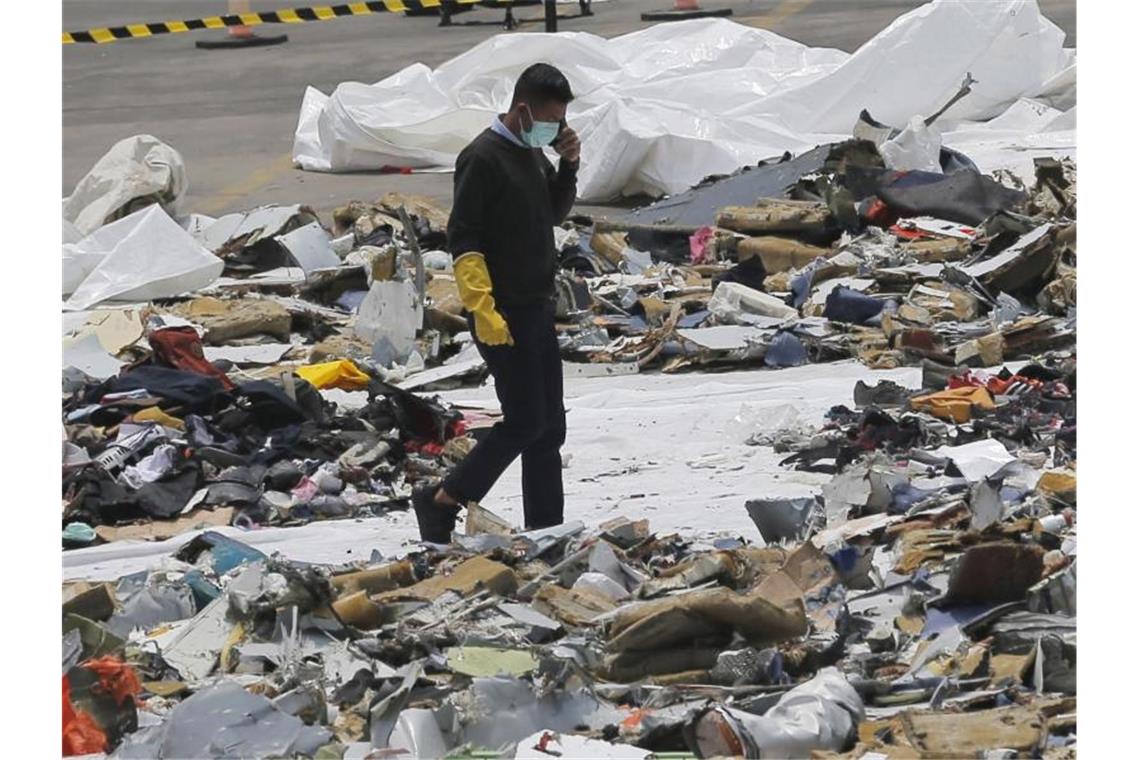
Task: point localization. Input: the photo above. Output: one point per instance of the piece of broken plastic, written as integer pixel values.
(733, 302)
(224, 720)
(490, 661)
(783, 519)
(388, 318)
(311, 247)
(785, 350)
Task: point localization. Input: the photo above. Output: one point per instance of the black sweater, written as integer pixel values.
(507, 200)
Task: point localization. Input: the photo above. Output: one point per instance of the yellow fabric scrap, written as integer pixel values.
(341, 374)
(956, 404)
(154, 414)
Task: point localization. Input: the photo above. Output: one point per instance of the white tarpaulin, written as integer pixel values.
(140, 168)
(138, 258)
(661, 108)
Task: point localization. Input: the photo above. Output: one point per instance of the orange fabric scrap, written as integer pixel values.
(956, 404)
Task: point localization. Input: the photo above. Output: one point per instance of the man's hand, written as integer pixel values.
(491, 329)
(567, 145)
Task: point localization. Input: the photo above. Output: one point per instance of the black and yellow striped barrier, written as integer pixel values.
(288, 16)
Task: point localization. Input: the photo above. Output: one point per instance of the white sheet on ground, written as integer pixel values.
(139, 258)
(630, 437)
(663, 107)
(135, 167)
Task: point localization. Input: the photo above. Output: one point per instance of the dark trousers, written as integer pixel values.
(528, 382)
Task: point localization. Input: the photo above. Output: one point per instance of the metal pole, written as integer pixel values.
(551, 16)
(410, 234)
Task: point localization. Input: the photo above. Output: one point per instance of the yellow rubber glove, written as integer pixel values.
(474, 283)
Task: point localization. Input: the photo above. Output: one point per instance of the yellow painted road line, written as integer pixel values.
(251, 183)
(777, 15)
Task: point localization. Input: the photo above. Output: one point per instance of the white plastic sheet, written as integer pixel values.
(977, 460)
(79, 261)
(915, 148)
(661, 108)
(390, 314)
(139, 258)
(135, 167)
(89, 356)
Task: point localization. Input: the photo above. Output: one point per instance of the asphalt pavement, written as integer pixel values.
(232, 113)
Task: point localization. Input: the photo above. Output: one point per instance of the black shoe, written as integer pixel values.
(884, 393)
(436, 521)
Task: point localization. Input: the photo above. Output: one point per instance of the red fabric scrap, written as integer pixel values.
(81, 734)
(115, 677)
(181, 348)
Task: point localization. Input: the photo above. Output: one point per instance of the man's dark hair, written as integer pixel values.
(542, 82)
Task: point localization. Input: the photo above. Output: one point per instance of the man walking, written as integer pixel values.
(508, 198)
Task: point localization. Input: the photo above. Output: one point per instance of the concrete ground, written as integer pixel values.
(232, 113)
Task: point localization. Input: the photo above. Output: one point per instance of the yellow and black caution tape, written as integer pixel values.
(288, 16)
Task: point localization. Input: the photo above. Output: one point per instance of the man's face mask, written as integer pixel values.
(541, 133)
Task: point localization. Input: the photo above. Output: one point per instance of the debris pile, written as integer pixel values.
(273, 368)
(841, 257)
(922, 605)
(200, 385)
(270, 381)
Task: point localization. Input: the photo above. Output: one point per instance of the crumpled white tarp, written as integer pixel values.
(820, 714)
(661, 108)
(135, 167)
(71, 233)
(139, 258)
